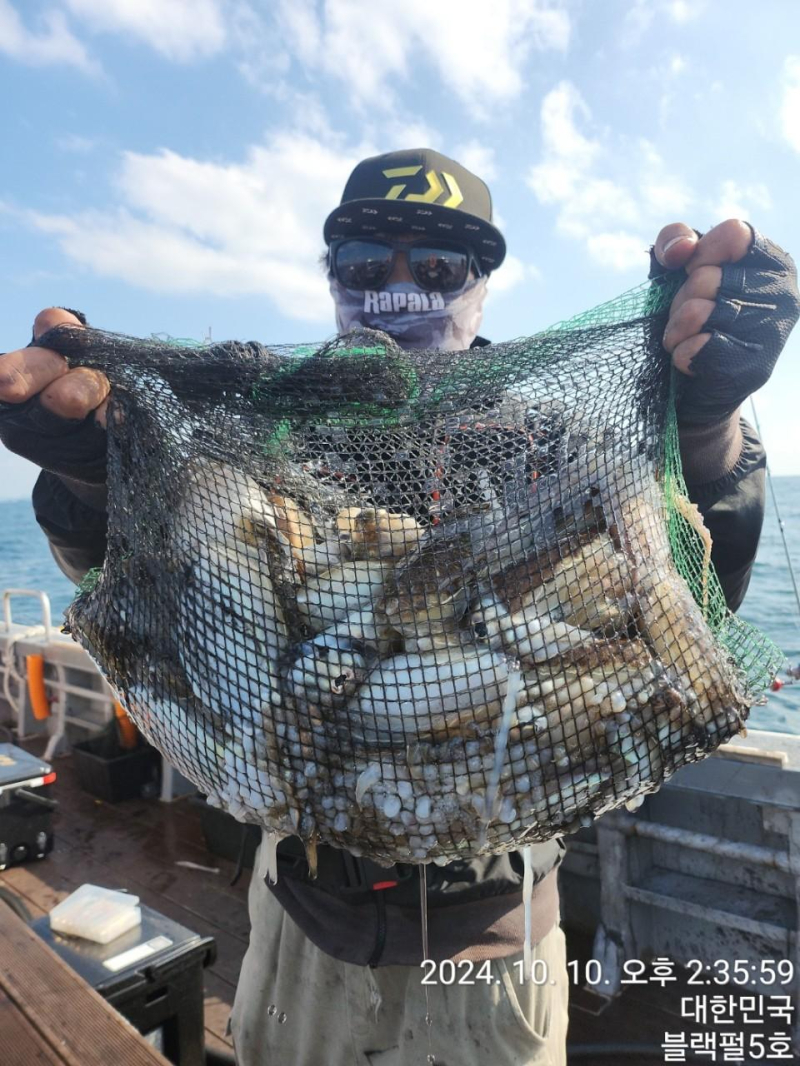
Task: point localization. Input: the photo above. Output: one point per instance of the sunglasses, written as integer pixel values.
(367, 263)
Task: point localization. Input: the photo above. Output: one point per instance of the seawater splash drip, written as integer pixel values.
(272, 857)
(527, 894)
(268, 858)
(501, 744)
(375, 996)
(423, 907)
(311, 857)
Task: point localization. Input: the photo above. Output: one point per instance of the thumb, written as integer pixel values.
(56, 316)
(675, 245)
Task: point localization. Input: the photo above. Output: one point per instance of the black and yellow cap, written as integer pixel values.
(418, 191)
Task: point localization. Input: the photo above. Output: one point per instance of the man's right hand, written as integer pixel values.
(67, 393)
(50, 414)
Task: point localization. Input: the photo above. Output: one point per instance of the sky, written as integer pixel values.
(167, 164)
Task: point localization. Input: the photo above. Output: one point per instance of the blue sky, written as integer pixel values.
(167, 164)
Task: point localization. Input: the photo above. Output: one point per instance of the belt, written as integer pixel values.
(352, 877)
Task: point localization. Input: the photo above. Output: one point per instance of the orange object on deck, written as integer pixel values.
(128, 734)
(37, 691)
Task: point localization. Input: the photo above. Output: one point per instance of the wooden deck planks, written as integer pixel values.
(57, 1013)
(22, 1045)
(135, 845)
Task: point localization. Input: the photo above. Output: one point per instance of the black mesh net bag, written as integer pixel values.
(414, 604)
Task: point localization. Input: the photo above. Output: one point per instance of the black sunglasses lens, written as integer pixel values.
(438, 269)
(362, 264)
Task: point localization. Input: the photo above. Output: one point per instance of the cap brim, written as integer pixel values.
(390, 216)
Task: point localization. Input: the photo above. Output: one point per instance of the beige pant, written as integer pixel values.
(297, 1006)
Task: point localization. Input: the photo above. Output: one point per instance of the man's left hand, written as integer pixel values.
(731, 317)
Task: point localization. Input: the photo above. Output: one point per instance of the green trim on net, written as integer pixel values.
(757, 658)
(88, 582)
(353, 414)
(179, 342)
(649, 298)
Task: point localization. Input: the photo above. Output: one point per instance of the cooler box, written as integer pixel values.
(26, 808)
(153, 975)
(112, 773)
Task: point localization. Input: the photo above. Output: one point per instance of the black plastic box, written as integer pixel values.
(226, 837)
(26, 806)
(26, 830)
(113, 773)
(153, 975)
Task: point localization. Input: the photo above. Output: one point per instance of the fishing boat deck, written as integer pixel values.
(137, 845)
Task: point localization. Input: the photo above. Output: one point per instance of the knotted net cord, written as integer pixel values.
(326, 564)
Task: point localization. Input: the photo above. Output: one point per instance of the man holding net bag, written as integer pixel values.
(410, 250)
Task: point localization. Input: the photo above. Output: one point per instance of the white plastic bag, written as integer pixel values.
(95, 913)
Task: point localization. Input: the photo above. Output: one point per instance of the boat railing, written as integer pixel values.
(706, 873)
(37, 594)
(73, 692)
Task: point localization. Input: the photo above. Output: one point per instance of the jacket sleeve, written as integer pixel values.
(73, 517)
(69, 497)
(732, 507)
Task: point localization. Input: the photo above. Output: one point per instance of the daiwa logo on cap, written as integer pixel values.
(402, 301)
(438, 185)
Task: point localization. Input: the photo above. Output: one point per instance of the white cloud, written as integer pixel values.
(636, 22)
(512, 273)
(560, 133)
(682, 10)
(612, 195)
(642, 13)
(663, 195)
(479, 50)
(790, 103)
(478, 158)
(738, 201)
(166, 260)
(677, 64)
(619, 250)
(394, 131)
(187, 225)
(51, 43)
(74, 142)
(180, 29)
(260, 50)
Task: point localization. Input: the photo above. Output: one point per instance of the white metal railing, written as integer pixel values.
(58, 684)
(9, 661)
(105, 695)
(37, 594)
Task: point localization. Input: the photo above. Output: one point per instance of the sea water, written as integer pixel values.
(26, 562)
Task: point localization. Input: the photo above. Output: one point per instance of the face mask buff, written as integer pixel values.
(413, 317)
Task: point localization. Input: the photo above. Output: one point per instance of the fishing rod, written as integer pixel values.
(794, 674)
